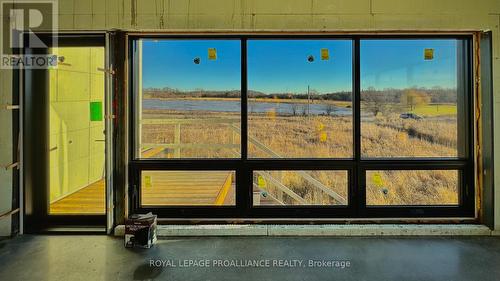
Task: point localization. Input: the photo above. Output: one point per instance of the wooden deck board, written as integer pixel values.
(88, 200)
(193, 188)
(152, 152)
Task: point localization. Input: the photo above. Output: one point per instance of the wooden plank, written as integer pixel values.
(188, 188)
(152, 152)
(177, 188)
(283, 188)
(8, 214)
(221, 197)
(304, 175)
(88, 200)
(323, 188)
(191, 145)
(12, 166)
(269, 200)
(170, 121)
(10, 106)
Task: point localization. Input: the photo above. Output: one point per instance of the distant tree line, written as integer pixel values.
(389, 95)
(432, 95)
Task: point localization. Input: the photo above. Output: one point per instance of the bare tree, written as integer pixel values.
(303, 110)
(377, 101)
(412, 98)
(329, 108)
(295, 109)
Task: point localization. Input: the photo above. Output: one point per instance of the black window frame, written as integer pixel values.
(356, 166)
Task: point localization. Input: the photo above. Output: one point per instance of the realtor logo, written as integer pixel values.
(21, 21)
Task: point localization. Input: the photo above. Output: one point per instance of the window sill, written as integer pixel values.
(321, 230)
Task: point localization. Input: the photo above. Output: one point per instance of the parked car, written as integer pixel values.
(409, 115)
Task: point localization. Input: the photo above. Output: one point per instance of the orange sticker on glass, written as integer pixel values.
(428, 54)
(402, 137)
(212, 54)
(325, 54)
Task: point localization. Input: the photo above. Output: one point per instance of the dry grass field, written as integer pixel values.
(321, 136)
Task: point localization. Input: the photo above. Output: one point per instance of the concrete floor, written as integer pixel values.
(376, 258)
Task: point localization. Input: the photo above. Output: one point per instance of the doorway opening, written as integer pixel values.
(77, 135)
(65, 133)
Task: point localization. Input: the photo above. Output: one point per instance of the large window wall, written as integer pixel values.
(282, 126)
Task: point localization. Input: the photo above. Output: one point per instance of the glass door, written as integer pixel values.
(65, 136)
(76, 132)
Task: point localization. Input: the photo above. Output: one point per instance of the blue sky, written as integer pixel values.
(169, 63)
(401, 64)
(282, 67)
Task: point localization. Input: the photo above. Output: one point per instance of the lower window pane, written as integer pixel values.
(295, 187)
(187, 188)
(412, 187)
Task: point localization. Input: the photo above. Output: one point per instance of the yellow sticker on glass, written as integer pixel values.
(212, 54)
(323, 137)
(325, 54)
(261, 182)
(428, 54)
(402, 137)
(377, 180)
(147, 182)
(320, 126)
(271, 114)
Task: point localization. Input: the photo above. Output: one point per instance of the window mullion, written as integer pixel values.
(358, 190)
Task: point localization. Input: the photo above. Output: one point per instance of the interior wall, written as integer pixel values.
(6, 155)
(289, 15)
(76, 141)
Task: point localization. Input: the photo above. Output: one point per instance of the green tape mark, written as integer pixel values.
(96, 111)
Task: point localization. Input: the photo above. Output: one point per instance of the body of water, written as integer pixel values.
(281, 108)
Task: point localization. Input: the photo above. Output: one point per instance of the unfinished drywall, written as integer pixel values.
(289, 15)
(76, 141)
(6, 156)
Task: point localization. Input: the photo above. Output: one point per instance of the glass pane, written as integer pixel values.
(188, 105)
(300, 188)
(411, 91)
(415, 187)
(77, 140)
(187, 188)
(299, 98)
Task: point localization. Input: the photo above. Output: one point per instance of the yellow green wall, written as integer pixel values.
(76, 147)
(6, 155)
